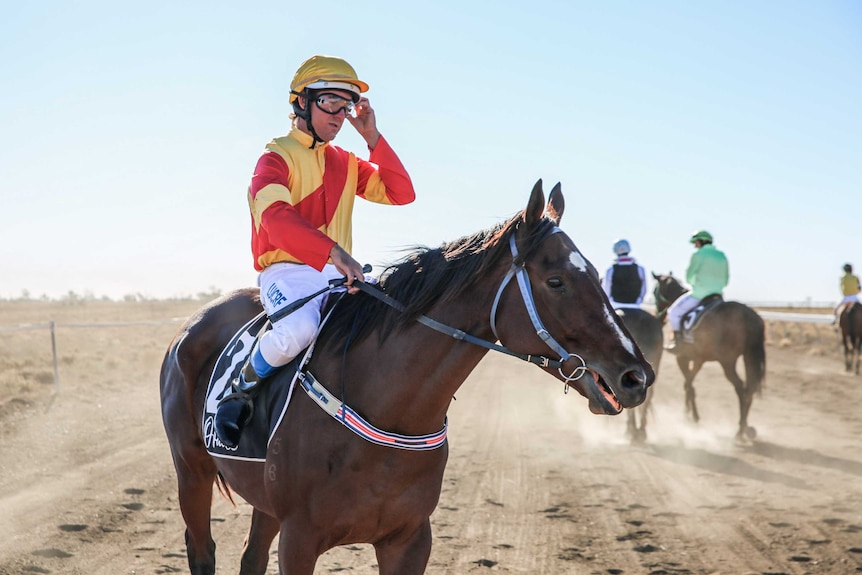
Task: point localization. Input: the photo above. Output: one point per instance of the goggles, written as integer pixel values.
(333, 103)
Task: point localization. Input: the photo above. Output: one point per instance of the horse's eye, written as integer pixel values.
(556, 283)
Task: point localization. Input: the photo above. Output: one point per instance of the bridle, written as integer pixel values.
(661, 298)
(517, 269)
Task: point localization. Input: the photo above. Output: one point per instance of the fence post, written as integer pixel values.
(54, 354)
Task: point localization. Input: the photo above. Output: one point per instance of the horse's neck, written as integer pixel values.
(408, 381)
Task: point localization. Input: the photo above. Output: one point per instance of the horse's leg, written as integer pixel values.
(196, 473)
(743, 394)
(405, 556)
(635, 431)
(644, 409)
(631, 424)
(255, 552)
(857, 349)
(195, 476)
(297, 549)
(689, 369)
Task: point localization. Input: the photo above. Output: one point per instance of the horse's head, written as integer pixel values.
(567, 313)
(667, 290)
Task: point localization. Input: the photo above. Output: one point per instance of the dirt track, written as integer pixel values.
(535, 483)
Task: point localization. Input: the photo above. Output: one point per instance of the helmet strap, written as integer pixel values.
(305, 114)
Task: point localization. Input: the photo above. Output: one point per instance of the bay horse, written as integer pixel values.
(321, 484)
(850, 322)
(723, 334)
(646, 329)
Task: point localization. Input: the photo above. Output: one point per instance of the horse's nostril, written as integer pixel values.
(635, 379)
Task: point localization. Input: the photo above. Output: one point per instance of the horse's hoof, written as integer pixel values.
(638, 437)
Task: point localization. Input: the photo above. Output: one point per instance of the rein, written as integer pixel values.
(518, 269)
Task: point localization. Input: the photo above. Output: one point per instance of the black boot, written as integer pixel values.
(677, 340)
(234, 411)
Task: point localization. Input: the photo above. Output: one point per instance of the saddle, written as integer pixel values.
(691, 319)
(270, 403)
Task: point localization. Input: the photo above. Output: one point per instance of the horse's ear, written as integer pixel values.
(556, 204)
(536, 205)
(655, 276)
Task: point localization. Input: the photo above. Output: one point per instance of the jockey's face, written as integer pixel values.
(326, 124)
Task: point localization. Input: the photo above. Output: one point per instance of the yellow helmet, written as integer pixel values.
(319, 72)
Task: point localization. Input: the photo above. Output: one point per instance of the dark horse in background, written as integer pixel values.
(723, 333)
(647, 331)
(850, 322)
(321, 485)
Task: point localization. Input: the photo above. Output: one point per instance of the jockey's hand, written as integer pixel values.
(349, 267)
(365, 122)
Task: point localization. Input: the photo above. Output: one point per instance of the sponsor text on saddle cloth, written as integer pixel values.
(691, 319)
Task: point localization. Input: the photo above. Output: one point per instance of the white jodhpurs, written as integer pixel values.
(848, 299)
(679, 308)
(280, 285)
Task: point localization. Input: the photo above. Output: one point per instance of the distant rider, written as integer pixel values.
(625, 281)
(850, 289)
(707, 274)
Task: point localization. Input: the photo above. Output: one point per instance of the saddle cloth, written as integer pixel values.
(691, 319)
(269, 403)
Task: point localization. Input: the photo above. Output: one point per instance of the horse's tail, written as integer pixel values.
(754, 355)
(224, 488)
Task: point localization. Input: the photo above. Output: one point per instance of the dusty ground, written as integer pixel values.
(535, 483)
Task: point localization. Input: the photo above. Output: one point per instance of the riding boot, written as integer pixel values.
(234, 411)
(677, 340)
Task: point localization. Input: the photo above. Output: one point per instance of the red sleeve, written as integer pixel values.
(281, 225)
(399, 188)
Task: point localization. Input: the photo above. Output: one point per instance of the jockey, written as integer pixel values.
(625, 280)
(850, 289)
(301, 203)
(707, 274)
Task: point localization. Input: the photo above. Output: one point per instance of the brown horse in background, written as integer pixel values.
(850, 322)
(647, 331)
(723, 334)
(321, 485)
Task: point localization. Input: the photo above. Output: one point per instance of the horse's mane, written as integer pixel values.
(425, 277)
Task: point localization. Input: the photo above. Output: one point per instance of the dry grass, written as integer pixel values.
(87, 349)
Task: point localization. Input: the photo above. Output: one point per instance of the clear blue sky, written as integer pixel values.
(130, 132)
